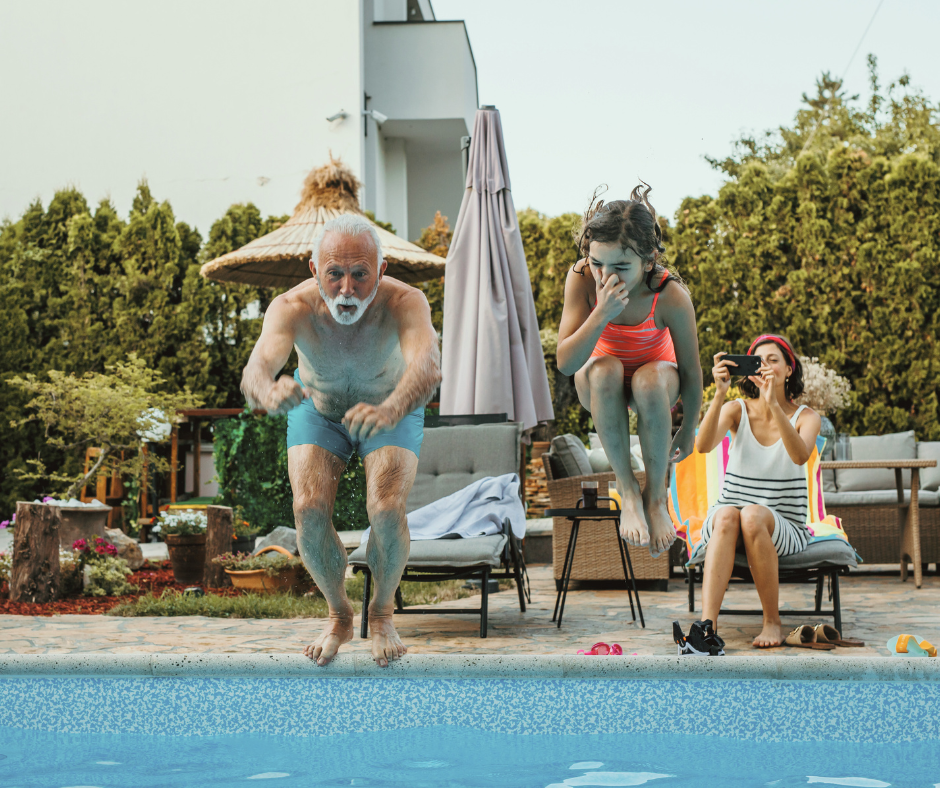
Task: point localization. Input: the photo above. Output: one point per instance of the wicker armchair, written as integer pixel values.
(597, 556)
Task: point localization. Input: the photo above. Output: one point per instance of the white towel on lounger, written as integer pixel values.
(477, 510)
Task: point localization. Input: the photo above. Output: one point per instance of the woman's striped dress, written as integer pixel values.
(766, 476)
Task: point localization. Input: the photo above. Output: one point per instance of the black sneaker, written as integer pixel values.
(702, 641)
(704, 638)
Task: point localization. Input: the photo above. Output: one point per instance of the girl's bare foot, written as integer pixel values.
(339, 630)
(771, 635)
(633, 527)
(386, 645)
(662, 530)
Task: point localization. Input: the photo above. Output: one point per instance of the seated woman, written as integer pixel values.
(763, 504)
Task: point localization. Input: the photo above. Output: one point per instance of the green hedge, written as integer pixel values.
(251, 466)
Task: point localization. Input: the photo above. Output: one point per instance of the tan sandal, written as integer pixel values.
(804, 636)
(825, 633)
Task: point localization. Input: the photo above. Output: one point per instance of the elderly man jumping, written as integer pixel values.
(368, 363)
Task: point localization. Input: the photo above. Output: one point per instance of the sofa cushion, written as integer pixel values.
(572, 455)
(457, 553)
(829, 552)
(453, 457)
(895, 446)
(925, 498)
(929, 477)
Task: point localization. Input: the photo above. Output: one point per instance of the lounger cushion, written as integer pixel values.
(925, 498)
(455, 553)
(453, 457)
(831, 552)
(929, 477)
(572, 455)
(894, 446)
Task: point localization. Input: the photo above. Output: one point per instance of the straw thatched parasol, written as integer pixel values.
(281, 258)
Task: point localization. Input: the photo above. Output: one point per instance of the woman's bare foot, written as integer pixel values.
(771, 635)
(662, 531)
(386, 645)
(338, 630)
(633, 527)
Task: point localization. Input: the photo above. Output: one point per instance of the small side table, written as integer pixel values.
(908, 522)
(576, 516)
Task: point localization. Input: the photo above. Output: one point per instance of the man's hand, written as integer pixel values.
(285, 395)
(364, 421)
(683, 444)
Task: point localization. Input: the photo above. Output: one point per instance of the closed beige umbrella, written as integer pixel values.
(492, 360)
(281, 258)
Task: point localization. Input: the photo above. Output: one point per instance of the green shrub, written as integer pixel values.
(251, 465)
(108, 577)
(174, 603)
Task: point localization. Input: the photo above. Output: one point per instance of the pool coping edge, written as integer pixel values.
(456, 666)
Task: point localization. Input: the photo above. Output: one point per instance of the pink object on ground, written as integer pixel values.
(602, 650)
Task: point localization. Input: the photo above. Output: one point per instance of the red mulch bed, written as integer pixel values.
(150, 577)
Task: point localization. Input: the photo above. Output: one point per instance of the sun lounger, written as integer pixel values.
(695, 486)
(453, 457)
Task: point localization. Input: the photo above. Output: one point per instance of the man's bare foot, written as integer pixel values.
(339, 630)
(633, 528)
(771, 635)
(662, 531)
(386, 645)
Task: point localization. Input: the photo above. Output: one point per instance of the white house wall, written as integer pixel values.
(336, 64)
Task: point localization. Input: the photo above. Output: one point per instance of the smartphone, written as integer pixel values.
(746, 365)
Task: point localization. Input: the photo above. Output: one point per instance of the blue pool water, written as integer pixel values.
(430, 733)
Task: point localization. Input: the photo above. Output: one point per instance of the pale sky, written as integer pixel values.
(205, 97)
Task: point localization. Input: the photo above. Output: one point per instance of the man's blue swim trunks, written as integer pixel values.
(306, 425)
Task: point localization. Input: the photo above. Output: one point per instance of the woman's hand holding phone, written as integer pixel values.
(765, 384)
(612, 295)
(722, 375)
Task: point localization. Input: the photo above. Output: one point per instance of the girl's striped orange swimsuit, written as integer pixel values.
(636, 345)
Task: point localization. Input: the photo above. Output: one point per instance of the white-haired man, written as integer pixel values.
(368, 363)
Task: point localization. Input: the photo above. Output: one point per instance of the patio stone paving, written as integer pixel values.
(874, 608)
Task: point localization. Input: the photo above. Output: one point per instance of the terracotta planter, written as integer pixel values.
(188, 557)
(81, 522)
(290, 580)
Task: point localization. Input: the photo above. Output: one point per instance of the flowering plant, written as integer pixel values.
(271, 563)
(823, 389)
(9, 523)
(180, 523)
(96, 551)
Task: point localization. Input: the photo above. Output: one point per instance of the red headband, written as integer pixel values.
(763, 338)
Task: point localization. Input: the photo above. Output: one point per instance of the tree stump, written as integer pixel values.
(219, 535)
(35, 574)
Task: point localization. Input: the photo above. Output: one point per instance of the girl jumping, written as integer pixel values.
(628, 336)
(763, 503)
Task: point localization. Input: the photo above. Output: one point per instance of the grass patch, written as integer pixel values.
(174, 603)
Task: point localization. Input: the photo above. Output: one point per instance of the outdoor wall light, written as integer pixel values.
(377, 116)
(341, 115)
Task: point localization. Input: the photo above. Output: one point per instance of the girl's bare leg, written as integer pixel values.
(655, 386)
(757, 527)
(600, 390)
(719, 561)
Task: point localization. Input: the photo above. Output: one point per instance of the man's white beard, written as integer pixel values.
(347, 318)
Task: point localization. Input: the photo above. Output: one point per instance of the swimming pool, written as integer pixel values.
(141, 720)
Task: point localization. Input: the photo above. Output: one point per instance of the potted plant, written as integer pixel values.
(824, 391)
(267, 574)
(184, 531)
(111, 412)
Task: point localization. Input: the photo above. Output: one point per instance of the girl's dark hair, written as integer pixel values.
(631, 223)
(794, 384)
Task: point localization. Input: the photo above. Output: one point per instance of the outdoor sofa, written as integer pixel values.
(451, 458)
(867, 499)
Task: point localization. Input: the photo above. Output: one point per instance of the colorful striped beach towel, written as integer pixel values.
(696, 484)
